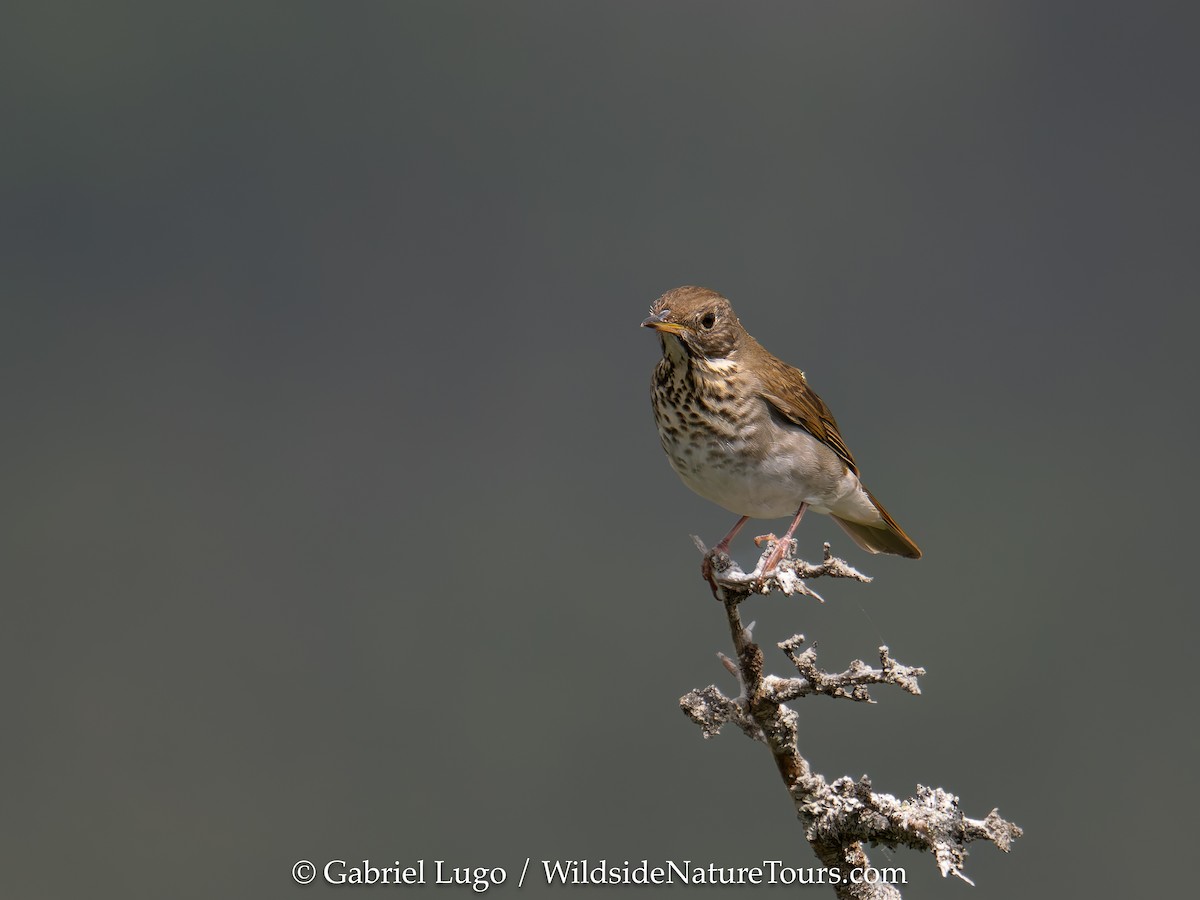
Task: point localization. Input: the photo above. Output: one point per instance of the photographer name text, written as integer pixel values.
(583, 872)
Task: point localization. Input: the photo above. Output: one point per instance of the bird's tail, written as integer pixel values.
(884, 536)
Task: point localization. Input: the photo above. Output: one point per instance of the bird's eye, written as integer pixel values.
(708, 321)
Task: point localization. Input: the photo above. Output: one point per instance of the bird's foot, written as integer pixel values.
(714, 562)
(778, 550)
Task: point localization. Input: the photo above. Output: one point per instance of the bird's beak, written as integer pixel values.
(659, 323)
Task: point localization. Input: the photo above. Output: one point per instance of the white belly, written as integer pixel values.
(798, 469)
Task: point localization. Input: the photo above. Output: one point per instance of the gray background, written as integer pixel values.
(335, 522)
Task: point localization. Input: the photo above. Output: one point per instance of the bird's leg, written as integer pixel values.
(783, 544)
(723, 547)
(706, 566)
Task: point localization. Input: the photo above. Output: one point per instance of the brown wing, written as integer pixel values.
(786, 389)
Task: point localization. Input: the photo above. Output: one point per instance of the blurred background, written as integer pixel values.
(336, 523)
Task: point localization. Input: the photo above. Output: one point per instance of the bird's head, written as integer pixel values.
(701, 320)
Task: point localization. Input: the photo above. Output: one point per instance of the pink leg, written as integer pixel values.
(781, 546)
(723, 547)
(706, 566)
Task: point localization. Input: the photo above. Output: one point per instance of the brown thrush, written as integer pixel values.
(745, 430)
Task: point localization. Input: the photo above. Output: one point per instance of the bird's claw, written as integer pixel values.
(715, 561)
(778, 550)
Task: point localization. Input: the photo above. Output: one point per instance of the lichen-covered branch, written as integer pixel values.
(788, 577)
(851, 684)
(841, 817)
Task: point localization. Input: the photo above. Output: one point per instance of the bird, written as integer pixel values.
(743, 429)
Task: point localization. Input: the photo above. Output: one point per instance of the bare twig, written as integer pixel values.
(838, 818)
